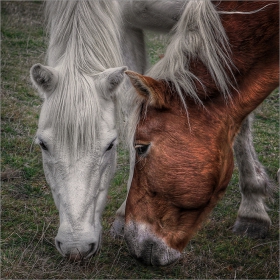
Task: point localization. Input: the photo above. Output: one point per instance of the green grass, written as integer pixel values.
(30, 219)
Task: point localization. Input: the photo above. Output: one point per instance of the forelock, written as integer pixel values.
(74, 112)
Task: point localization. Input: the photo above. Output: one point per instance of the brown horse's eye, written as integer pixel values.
(141, 150)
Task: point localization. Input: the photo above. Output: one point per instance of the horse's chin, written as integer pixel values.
(147, 247)
(76, 256)
(77, 252)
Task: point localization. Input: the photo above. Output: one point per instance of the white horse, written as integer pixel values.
(90, 41)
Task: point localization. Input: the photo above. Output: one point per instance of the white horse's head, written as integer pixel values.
(78, 137)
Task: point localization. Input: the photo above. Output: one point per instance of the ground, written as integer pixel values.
(30, 219)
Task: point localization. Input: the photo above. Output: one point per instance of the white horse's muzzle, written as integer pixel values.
(77, 249)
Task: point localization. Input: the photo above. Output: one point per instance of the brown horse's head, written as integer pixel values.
(184, 162)
(183, 165)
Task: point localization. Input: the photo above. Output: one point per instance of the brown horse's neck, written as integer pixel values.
(254, 42)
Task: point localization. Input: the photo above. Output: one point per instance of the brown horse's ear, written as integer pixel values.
(149, 88)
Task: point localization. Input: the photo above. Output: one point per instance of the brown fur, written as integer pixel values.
(141, 83)
(190, 161)
(185, 171)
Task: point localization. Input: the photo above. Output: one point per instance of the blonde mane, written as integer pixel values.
(199, 34)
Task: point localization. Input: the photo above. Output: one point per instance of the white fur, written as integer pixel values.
(254, 183)
(77, 121)
(151, 248)
(90, 41)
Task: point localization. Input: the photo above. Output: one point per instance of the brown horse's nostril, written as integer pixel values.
(150, 252)
(146, 256)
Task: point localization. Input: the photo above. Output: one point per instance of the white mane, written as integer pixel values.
(84, 41)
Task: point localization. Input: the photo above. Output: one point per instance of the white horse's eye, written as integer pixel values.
(141, 149)
(110, 146)
(43, 145)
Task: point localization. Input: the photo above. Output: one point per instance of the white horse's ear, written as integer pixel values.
(113, 77)
(116, 77)
(45, 78)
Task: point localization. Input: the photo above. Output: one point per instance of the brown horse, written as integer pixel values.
(221, 63)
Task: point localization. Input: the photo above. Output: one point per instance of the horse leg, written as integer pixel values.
(117, 229)
(133, 49)
(134, 56)
(254, 184)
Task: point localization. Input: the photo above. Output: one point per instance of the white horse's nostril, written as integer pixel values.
(91, 251)
(76, 251)
(58, 247)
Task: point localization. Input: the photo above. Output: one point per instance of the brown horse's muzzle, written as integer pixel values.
(147, 247)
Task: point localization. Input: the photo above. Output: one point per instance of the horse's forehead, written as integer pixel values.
(72, 102)
(95, 128)
(186, 132)
(156, 121)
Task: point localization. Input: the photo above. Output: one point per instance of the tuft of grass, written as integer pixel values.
(30, 219)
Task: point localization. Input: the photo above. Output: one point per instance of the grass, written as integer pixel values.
(30, 219)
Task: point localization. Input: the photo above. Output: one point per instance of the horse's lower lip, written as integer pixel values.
(147, 248)
(79, 257)
(74, 257)
(150, 259)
